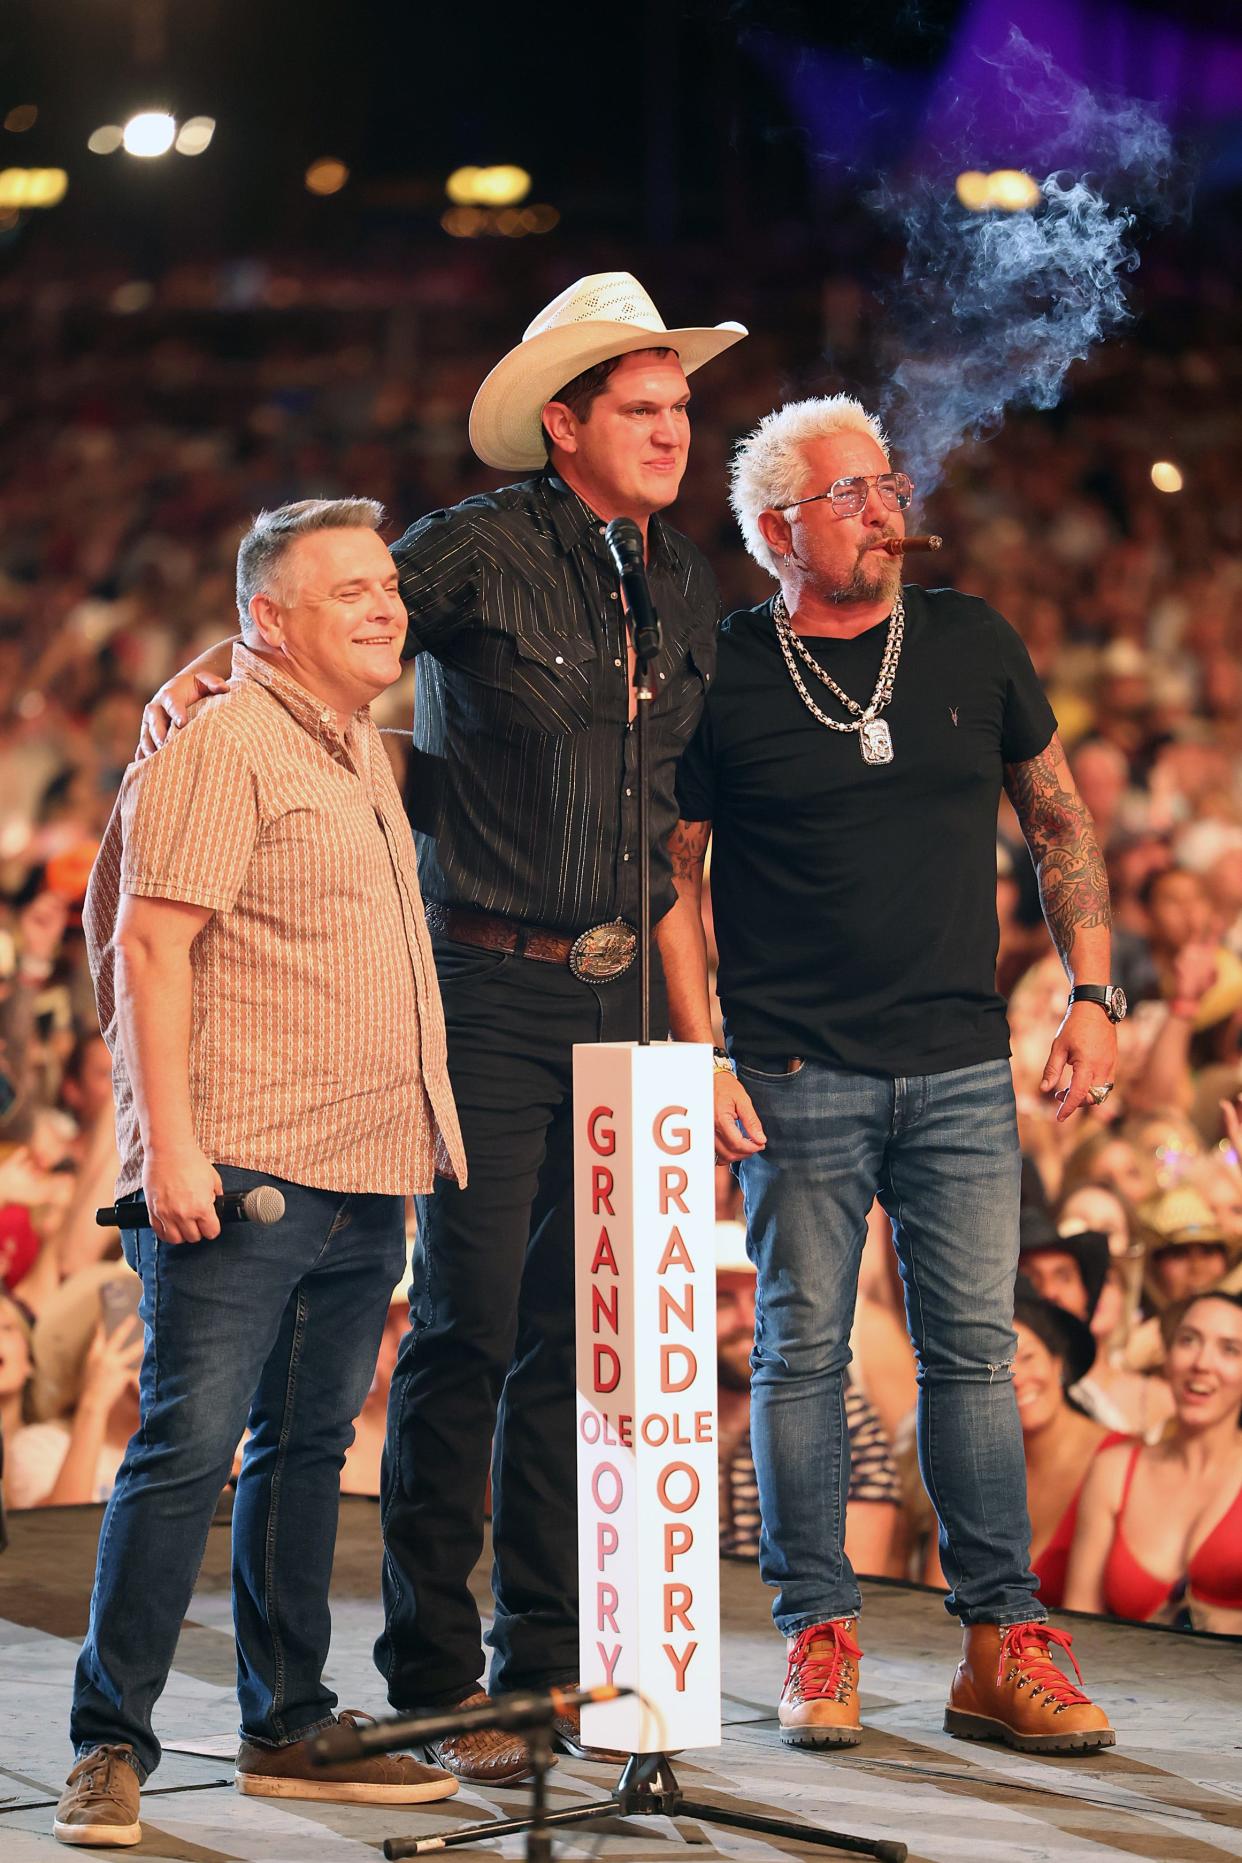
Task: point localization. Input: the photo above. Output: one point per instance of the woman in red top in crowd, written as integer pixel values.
(1159, 1534)
(1055, 1350)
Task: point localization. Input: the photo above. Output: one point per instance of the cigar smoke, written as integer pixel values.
(994, 307)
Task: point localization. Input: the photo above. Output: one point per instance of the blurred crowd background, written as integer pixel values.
(151, 404)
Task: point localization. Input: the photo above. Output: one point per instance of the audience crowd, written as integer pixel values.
(144, 424)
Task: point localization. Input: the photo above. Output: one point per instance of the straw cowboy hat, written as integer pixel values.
(608, 314)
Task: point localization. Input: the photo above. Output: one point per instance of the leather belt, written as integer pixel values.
(596, 956)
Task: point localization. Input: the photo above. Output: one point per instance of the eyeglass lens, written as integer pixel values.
(850, 495)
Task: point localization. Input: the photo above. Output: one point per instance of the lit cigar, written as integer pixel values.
(902, 546)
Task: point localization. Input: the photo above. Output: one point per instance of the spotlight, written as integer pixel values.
(149, 133)
(106, 140)
(32, 187)
(21, 117)
(1007, 190)
(503, 185)
(1166, 477)
(326, 176)
(195, 135)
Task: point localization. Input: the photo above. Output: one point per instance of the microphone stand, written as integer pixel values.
(646, 647)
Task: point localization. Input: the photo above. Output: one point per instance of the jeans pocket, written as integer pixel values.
(457, 962)
(746, 1071)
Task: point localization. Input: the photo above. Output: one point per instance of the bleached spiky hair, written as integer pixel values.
(768, 471)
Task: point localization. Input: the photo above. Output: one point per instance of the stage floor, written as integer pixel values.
(1170, 1790)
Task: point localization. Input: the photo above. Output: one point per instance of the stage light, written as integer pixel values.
(541, 218)
(1013, 191)
(149, 133)
(504, 185)
(32, 187)
(974, 190)
(195, 135)
(106, 140)
(1166, 477)
(326, 176)
(1005, 190)
(20, 117)
(460, 186)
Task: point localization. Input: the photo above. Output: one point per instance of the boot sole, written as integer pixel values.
(980, 1727)
(820, 1736)
(329, 1792)
(102, 1836)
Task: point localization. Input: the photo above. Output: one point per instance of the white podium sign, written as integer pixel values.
(648, 1525)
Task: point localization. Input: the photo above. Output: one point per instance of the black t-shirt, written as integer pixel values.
(855, 904)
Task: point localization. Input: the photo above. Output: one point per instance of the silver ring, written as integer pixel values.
(1100, 1094)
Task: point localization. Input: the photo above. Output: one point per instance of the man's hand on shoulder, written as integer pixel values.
(181, 1186)
(738, 1130)
(172, 706)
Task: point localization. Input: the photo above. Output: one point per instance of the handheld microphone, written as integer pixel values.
(347, 1740)
(263, 1204)
(625, 544)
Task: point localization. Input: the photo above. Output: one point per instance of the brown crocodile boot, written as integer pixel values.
(1008, 1687)
(819, 1702)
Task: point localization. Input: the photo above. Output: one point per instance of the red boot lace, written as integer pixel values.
(1027, 1648)
(819, 1669)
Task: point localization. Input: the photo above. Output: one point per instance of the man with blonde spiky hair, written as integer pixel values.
(849, 765)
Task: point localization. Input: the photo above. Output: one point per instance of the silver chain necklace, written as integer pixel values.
(875, 740)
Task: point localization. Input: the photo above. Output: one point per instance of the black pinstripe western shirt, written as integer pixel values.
(523, 790)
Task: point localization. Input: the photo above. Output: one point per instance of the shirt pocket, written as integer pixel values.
(690, 684)
(551, 680)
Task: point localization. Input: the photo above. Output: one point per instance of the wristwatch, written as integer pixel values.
(1109, 997)
(723, 1062)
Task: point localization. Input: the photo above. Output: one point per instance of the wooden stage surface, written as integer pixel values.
(1169, 1792)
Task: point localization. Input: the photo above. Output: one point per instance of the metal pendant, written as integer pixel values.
(875, 741)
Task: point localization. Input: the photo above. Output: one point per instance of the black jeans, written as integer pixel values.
(487, 1367)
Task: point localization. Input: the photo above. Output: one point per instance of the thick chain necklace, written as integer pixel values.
(875, 740)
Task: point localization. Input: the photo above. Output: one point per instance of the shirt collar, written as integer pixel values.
(302, 705)
(573, 519)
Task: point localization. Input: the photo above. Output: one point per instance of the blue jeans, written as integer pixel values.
(941, 1151)
(273, 1327)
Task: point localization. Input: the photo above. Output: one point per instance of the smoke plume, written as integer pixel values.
(994, 307)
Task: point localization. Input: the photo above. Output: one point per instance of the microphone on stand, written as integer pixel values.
(347, 1740)
(625, 545)
(263, 1204)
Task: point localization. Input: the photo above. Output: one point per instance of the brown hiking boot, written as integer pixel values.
(485, 1755)
(819, 1702)
(377, 1779)
(99, 1804)
(1008, 1687)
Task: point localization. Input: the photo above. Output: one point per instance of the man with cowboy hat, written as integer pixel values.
(525, 805)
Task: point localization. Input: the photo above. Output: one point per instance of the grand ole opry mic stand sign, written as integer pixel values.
(648, 1524)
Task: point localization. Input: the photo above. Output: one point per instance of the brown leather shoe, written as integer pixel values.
(819, 1702)
(99, 1804)
(1008, 1687)
(377, 1779)
(485, 1755)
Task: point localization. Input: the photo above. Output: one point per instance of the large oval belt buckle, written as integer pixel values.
(603, 952)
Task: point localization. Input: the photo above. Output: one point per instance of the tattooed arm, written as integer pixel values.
(1073, 891)
(682, 938)
(683, 951)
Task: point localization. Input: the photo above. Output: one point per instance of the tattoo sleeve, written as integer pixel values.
(1073, 886)
(687, 849)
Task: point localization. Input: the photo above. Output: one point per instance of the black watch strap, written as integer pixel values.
(1106, 996)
